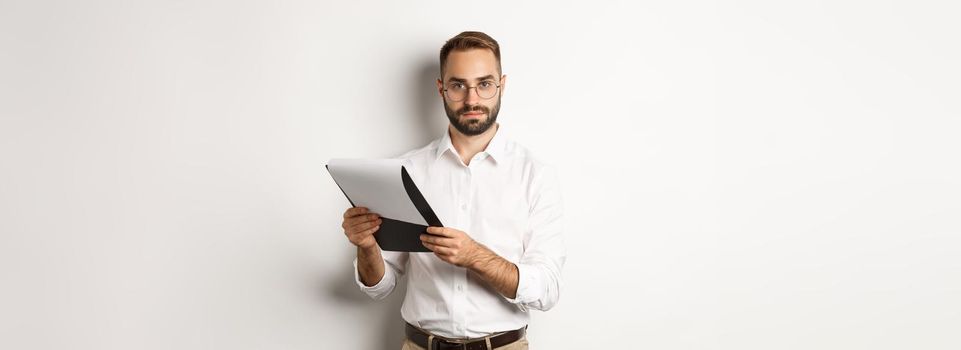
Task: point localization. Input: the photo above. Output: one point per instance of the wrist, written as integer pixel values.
(481, 258)
(368, 250)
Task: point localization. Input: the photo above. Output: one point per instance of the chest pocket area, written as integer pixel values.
(503, 223)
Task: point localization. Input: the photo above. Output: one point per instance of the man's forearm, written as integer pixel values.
(497, 272)
(370, 265)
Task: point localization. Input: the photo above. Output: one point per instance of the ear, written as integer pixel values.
(440, 88)
(503, 82)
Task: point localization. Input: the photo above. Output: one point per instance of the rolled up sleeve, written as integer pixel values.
(539, 269)
(394, 267)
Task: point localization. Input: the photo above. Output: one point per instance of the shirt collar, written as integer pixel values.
(496, 148)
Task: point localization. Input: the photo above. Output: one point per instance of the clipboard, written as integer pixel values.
(385, 187)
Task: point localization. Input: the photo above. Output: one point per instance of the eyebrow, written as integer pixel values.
(462, 80)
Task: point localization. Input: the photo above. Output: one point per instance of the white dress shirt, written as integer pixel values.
(506, 200)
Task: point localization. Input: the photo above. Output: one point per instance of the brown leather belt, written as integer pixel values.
(420, 338)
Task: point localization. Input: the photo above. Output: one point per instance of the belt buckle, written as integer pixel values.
(443, 344)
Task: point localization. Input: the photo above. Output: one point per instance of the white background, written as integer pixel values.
(737, 175)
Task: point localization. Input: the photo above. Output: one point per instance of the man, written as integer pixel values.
(502, 251)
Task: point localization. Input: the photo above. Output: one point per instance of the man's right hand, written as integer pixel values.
(360, 225)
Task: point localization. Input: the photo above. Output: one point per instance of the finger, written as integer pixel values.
(439, 231)
(439, 250)
(362, 232)
(355, 211)
(368, 232)
(360, 219)
(438, 240)
(365, 225)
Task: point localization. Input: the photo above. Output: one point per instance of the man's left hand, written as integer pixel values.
(452, 246)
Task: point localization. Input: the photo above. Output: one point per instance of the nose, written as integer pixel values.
(472, 97)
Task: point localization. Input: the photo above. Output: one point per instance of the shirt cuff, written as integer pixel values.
(526, 286)
(379, 290)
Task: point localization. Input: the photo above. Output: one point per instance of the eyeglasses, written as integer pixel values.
(457, 91)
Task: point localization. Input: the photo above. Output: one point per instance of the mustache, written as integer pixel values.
(477, 108)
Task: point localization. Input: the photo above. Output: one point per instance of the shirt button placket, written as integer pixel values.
(460, 276)
(460, 318)
(464, 197)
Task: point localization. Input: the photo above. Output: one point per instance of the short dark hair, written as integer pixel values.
(466, 41)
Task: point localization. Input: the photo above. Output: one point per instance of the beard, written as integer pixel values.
(473, 127)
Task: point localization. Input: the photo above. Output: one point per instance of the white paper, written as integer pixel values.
(376, 184)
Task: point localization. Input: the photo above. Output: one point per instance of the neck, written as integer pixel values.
(468, 146)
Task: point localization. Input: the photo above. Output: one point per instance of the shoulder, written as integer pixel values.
(538, 176)
(531, 163)
(419, 154)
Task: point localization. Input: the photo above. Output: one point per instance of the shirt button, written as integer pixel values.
(463, 207)
(460, 287)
